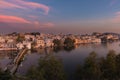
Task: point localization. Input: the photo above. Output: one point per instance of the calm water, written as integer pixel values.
(70, 58)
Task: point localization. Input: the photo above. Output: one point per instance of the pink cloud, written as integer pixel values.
(23, 4)
(15, 19)
(12, 19)
(5, 4)
(35, 5)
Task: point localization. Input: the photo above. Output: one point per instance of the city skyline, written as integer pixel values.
(52, 16)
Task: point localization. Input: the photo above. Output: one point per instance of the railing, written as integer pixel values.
(16, 61)
(19, 56)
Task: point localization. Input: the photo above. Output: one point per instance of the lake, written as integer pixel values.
(71, 58)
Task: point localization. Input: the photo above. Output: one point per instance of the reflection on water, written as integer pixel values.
(6, 57)
(70, 56)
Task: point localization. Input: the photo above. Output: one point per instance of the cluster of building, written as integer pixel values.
(19, 41)
(97, 38)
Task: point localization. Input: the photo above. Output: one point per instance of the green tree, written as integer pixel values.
(118, 66)
(34, 74)
(57, 45)
(91, 67)
(79, 73)
(5, 75)
(49, 68)
(20, 38)
(104, 68)
(108, 66)
(35, 33)
(57, 42)
(69, 42)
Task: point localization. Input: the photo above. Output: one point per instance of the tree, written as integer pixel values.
(57, 45)
(49, 68)
(79, 73)
(108, 66)
(118, 66)
(57, 42)
(104, 68)
(34, 74)
(5, 75)
(91, 67)
(90, 70)
(69, 42)
(35, 33)
(20, 38)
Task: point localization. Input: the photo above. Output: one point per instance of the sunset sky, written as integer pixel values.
(56, 16)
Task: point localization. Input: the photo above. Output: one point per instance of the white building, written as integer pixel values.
(27, 44)
(78, 41)
(29, 37)
(49, 42)
(2, 40)
(40, 43)
(96, 40)
(20, 46)
(23, 45)
(10, 41)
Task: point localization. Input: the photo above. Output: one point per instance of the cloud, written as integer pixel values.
(23, 4)
(4, 4)
(12, 19)
(11, 14)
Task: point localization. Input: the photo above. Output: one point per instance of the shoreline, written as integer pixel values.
(8, 49)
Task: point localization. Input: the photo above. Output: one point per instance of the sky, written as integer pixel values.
(60, 16)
